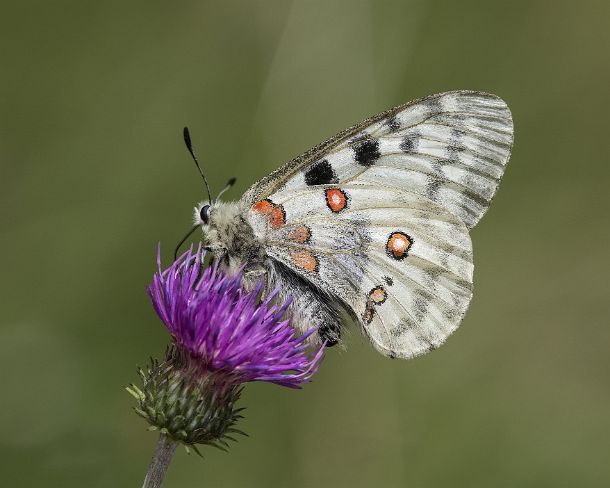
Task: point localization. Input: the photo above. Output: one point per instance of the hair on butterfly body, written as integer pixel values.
(373, 221)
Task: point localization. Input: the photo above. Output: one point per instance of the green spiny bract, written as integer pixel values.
(186, 405)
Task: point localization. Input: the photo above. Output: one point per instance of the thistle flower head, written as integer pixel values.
(223, 336)
(227, 330)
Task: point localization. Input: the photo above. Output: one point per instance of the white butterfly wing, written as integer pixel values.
(408, 296)
(379, 214)
(450, 148)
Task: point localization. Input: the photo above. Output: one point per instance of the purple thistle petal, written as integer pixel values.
(227, 329)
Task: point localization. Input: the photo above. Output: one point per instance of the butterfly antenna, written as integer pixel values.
(189, 146)
(183, 241)
(229, 184)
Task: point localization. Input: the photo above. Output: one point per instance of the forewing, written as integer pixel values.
(449, 148)
(400, 262)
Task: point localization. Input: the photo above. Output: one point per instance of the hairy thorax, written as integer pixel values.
(231, 239)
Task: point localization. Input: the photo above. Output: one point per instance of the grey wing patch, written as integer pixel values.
(338, 249)
(422, 308)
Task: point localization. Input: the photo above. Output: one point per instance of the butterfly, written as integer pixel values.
(373, 222)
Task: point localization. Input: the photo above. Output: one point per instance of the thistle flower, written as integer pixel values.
(223, 337)
(225, 329)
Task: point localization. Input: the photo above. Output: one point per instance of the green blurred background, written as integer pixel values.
(93, 98)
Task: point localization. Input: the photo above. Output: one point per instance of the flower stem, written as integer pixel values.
(160, 462)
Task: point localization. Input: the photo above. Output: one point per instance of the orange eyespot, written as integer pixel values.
(301, 234)
(278, 217)
(306, 260)
(264, 207)
(398, 245)
(275, 213)
(378, 295)
(336, 199)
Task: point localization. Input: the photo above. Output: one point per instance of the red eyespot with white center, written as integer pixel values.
(398, 245)
(336, 199)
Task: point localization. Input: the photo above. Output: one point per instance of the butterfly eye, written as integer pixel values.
(204, 213)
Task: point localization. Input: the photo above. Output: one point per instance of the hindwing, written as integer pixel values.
(402, 264)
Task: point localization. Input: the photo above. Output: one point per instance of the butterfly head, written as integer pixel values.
(226, 234)
(221, 223)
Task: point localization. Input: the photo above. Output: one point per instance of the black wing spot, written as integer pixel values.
(393, 124)
(367, 152)
(389, 281)
(455, 146)
(320, 173)
(409, 143)
(453, 151)
(432, 188)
